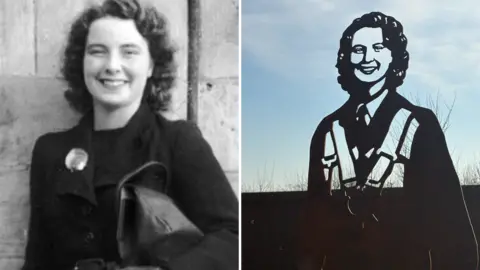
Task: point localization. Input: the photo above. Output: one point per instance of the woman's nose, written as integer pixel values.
(113, 65)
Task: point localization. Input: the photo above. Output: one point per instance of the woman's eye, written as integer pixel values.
(96, 52)
(131, 52)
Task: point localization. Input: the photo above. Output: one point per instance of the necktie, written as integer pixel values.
(363, 132)
(363, 116)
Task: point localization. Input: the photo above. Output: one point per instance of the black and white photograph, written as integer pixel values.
(119, 135)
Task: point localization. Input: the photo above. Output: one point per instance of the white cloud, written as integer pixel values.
(299, 38)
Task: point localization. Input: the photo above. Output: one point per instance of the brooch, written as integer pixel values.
(76, 159)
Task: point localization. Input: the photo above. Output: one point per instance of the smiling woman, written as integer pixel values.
(119, 66)
(112, 40)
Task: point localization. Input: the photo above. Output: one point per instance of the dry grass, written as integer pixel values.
(469, 175)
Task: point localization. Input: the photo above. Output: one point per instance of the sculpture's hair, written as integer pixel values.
(393, 38)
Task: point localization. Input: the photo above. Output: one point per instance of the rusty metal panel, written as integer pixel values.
(271, 233)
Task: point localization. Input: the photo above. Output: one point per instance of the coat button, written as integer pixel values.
(89, 237)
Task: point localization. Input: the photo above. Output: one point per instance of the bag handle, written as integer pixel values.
(132, 174)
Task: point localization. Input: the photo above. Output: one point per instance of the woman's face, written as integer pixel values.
(117, 63)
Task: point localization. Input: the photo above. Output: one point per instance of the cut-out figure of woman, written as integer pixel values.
(378, 136)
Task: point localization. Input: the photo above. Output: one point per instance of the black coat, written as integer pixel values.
(430, 215)
(72, 213)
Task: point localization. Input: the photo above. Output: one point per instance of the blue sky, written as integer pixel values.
(289, 82)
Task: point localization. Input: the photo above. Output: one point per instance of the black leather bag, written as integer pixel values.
(151, 228)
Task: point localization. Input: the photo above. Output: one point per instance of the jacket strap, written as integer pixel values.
(338, 157)
(394, 147)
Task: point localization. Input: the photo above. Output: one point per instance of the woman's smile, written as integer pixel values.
(112, 84)
(117, 63)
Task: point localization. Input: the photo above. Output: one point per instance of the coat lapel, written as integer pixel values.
(134, 146)
(373, 135)
(138, 143)
(79, 183)
(383, 118)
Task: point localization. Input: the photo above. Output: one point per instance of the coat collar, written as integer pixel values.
(373, 135)
(131, 149)
(387, 110)
(384, 114)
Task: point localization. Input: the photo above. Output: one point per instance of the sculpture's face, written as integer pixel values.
(369, 56)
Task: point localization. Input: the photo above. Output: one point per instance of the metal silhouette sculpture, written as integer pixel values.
(378, 136)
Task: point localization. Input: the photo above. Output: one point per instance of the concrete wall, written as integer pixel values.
(32, 34)
(219, 82)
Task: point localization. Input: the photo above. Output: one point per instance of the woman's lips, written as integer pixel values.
(112, 84)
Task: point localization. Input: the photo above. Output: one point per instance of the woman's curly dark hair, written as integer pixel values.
(150, 24)
(393, 38)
